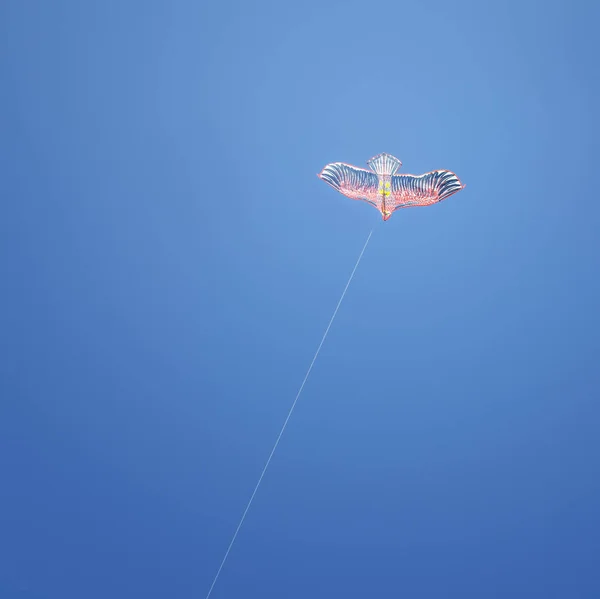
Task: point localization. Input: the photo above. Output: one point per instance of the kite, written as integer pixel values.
(387, 191)
(383, 188)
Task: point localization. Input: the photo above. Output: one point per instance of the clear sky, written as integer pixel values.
(169, 261)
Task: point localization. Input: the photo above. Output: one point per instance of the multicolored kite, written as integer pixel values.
(387, 191)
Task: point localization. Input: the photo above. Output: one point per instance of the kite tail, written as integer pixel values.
(384, 164)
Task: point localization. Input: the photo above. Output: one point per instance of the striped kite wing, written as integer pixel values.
(423, 190)
(355, 183)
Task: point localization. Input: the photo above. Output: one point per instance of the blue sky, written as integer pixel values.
(170, 260)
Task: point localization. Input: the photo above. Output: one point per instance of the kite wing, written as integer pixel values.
(355, 183)
(423, 190)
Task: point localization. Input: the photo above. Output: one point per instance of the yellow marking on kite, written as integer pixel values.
(385, 191)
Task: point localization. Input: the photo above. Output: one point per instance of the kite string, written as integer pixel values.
(264, 470)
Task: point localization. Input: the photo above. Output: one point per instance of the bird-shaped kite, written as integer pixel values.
(385, 190)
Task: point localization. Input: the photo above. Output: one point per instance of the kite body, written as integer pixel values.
(383, 188)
